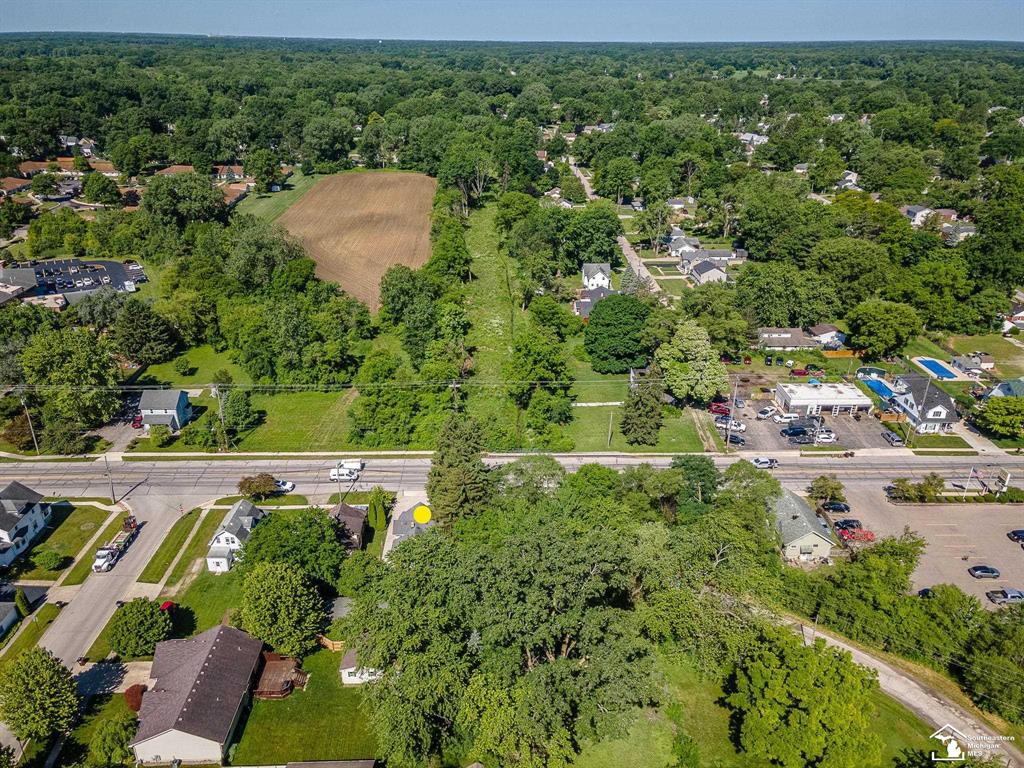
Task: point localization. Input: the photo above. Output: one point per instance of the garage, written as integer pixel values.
(814, 399)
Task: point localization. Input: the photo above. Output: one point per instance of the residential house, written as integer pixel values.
(707, 272)
(23, 515)
(680, 244)
(232, 534)
(65, 165)
(199, 689)
(827, 335)
(353, 520)
(68, 142)
(597, 276)
(848, 181)
(751, 141)
(836, 117)
(801, 169)
(167, 407)
(16, 283)
(637, 204)
(956, 232)
(8, 607)
(721, 257)
(927, 406)
(1014, 318)
(353, 674)
(685, 204)
(1008, 388)
(88, 147)
(171, 170)
(803, 535)
(918, 214)
(585, 301)
(11, 185)
(974, 362)
(403, 526)
(234, 193)
(948, 215)
(229, 172)
(104, 167)
(784, 339)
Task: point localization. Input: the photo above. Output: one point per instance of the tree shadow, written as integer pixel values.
(183, 622)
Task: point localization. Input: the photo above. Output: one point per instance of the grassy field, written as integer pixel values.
(70, 527)
(292, 729)
(589, 431)
(706, 721)
(591, 387)
(198, 546)
(271, 205)
(287, 500)
(37, 624)
(169, 547)
(300, 421)
(356, 225)
(1009, 357)
(81, 570)
(98, 709)
(205, 362)
(208, 601)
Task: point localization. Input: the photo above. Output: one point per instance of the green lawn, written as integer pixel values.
(300, 421)
(293, 729)
(591, 387)
(198, 546)
(1009, 357)
(286, 500)
(81, 570)
(273, 204)
(674, 287)
(70, 527)
(169, 547)
(205, 362)
(97, 709)
(915, 440)
(589, 431)
(922, 347)
(37, 624)
(208, 601)
(706, 721)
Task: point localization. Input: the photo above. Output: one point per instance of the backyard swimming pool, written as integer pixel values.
(879, 387)
(938, 370)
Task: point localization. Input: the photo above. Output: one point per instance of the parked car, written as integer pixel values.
(798, 372)
(735, 439)
(1005, 596)
(983, 572)
(763, 462)
(731, 424)
(793, 431)
(1016, 535)
(801, 440)
(778, 360)
(720, 408)
(739, 402)
(848, 523)
(767, 412)
(826, 438)
(284, 486)
(836, 506)
(892, 438)
(786, 418)
(768, 360)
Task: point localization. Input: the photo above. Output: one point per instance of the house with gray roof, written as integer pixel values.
(928, 407)
(16, 282)
(232, 534)
(23, 515)
(586, 300)
(707, 272)
(403, 526)
(803, 535)
(1008, 388)
(352, 519)
(166, 407)
(200, 687)
(597, 276)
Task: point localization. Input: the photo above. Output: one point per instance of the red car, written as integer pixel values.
(799, 372)
(720, 408)
(137, 421)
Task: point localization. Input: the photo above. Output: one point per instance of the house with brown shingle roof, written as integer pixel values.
(200, 686)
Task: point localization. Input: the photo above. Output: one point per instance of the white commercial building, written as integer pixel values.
(814, 399)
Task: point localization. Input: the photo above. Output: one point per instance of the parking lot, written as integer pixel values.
(69, 276)
(958, 536)
(762, 435)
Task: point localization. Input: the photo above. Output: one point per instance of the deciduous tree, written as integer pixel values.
(693, 370)
(281, 608)
(614, 336)
(38, 697)
(137, 626)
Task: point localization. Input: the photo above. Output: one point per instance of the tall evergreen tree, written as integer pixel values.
(458, 484)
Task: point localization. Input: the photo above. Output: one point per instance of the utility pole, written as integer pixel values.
(220, 412)
(110, 479)
(731, 416)
(610, 415)
(31, 428)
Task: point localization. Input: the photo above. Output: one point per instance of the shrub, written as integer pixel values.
(47, 559)
(183, 367)
(133, 696)
(160, 436)
(138, 626)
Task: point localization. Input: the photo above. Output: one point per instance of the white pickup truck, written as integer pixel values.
(346, 470)
(111, 552)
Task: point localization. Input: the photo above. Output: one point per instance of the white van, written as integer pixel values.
(343, 474)
(785, 418)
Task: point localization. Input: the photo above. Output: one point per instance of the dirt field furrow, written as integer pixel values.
(356, 225)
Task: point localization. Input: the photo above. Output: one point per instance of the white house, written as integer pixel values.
(815, 399)
(976, 361)
(403, 526)
(827, 335)
(232, 534)
(802, 533)
(353, 674)
(680, 244)
(23, 515)
(198, 692)
(927, 406)
(597, 276)
(751, 141)
(785, 338)
(167, 407)
(707, 272)
(918, 214)
(688, 203)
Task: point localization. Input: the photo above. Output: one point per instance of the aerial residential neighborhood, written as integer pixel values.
(386, 385)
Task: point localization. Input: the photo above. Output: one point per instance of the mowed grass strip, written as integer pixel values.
(357, 225)
(272, 204)
(70, 527)
(198, 546)
(209, 600)
(299, 421)
(169, 547)
(37, 624)
(291, 730)
(81, 570)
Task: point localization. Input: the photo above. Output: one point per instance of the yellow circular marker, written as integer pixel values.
(421, 514)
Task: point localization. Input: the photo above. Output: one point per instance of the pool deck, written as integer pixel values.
(957, 375)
